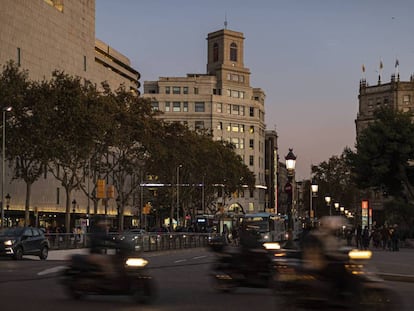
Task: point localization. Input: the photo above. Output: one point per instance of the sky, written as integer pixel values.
(307, 56)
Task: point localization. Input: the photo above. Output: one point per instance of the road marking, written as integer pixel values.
(52, 270)
(181, 260)
(198, 257)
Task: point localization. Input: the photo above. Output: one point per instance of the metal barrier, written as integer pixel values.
(147, 242)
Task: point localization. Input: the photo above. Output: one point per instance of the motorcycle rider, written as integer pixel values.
(323, 252)
(100, 240)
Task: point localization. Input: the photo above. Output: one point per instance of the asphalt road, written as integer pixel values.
(182, 279)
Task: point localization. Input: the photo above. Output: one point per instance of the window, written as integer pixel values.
(229, 128)
(251, 160)
(251, 111)
(235, 110)
(219, 107)
(241, 79)
(167, 106)
(199, 125)
(196, 90)
(233, 52)
(185, 106)
(228, 93)
(234, 127)
(242, 128)
(251, 143)
(176, 90)
(235, 94)
(199, 107)
(235, 142)
(215, 52)
(235, 78)
(406, 99)
(167, 90)
(155, 106)
(185, 89)
(251, 130)
(228, 109)
(220, 126)
(241, 144)
(241, 94)
(229, 76)
(84, 63)
(176, 107)
(242, 110)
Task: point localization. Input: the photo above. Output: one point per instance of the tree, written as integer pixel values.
(383, 152)
(25, 126)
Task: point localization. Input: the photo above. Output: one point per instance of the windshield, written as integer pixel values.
(11, 231)
(263, 225)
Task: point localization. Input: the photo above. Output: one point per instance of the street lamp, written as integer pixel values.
(8, 197)
(178, 191)
(328, 203)
(313, 194)
(3, 159)
(336, 204)
(290, 159)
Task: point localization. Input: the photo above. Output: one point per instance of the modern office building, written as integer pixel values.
(223, 102)
(46, 35)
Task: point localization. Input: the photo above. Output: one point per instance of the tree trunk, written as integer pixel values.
(27, 204)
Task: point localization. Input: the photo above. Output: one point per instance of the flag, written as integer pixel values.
(363, 68)
(397, 63)
(381, 65)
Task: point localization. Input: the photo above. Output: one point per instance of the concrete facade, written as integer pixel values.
(42, 36)
(222, 102)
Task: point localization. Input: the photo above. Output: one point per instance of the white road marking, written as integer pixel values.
(198, 257)
(181, 260)
(52, 270)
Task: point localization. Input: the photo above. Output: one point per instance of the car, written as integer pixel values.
(17, 242)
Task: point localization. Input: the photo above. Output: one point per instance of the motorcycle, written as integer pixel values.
(82, 277)
(347, 285)
(235, 268)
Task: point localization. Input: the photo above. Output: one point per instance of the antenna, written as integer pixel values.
(225, 20)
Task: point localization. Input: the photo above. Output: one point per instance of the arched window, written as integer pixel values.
(233, 52)
(215, 52)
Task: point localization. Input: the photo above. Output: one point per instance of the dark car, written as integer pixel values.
(19, 241)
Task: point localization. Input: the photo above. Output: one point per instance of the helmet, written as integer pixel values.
(332, 223)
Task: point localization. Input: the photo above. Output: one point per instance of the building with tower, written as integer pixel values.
(223, 102)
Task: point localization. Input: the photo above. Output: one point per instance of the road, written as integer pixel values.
(182, 279)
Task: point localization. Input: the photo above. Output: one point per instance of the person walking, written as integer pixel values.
(366, 237)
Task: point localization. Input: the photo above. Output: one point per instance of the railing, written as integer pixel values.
(146, 242)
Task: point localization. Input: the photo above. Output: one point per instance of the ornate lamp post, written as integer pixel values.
(8, 197)
(73, 211)
(314, 194)
(178, 193)
(328, 203)
(290, 166)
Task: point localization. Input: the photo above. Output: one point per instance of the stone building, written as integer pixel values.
(223, 102)
(46, 35)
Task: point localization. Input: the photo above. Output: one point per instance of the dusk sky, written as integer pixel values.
(307, 56)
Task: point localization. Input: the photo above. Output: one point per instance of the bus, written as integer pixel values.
(272, 227)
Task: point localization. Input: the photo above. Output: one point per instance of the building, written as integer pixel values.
(223, 102)
(46, 35)
(395, 94)
(271, 171)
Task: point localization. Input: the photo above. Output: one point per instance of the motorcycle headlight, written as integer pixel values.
(136, 262)
(358, 254)
(9, 242)
(274, 245)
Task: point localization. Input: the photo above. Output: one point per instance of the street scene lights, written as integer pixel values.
(314, 194)
(3, 159)
(328, 203)
(290, 167)
(336, 204)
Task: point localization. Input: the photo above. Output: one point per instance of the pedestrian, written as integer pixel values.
(225, 234)
(358, 237)
(395, 239)
(366, 237)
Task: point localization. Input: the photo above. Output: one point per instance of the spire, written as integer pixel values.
(225, 20)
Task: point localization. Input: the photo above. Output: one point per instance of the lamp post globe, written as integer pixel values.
(290, 159)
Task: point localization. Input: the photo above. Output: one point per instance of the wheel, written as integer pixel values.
(44, 252)
(18, 253)
(144, 291)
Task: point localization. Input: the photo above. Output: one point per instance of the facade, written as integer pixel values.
(222, 102)
(46, 35)
(271, 171)
(396, 94)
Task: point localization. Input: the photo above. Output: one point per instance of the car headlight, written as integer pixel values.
(136, 262)
(274, 245)
(358, 254)
(9, 242)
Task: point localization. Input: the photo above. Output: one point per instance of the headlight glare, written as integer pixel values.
(136, 262)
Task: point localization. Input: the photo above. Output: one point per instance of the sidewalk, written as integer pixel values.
(394, 266)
